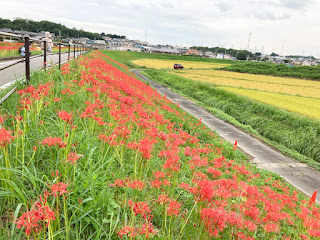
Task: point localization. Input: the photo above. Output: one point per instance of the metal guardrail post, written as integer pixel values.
(45, 55)
(59, 56)
(74, 51)
(27, 56)
(69, 53)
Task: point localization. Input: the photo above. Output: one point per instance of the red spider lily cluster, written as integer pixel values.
(41, 214)
(13, 46)
(171, 177)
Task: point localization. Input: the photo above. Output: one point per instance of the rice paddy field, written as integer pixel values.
(168, 64)
(295, 95)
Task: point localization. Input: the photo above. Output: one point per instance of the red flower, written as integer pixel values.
(136, 184)
(140, 208)
(60, 188)
(31, 219)
(128, 231)
(49, 141)
(65, 116)
(173, 208)
(73, 157)
(5, 137)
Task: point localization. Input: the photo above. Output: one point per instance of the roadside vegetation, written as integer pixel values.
(281, 70)
(91, 152)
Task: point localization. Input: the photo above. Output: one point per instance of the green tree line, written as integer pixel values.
(239, 54)
(56, 28)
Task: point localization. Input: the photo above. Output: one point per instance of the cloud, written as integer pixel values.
(296, 4)
(189, 22)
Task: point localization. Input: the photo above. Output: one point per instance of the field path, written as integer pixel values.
(298, 174)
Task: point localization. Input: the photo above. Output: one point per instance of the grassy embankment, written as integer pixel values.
(282, 70)
(291, 133)
(93, 153)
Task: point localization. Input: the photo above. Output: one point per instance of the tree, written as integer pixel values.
(56, 28)
(274, 54)
(243, 55)
(257, 56)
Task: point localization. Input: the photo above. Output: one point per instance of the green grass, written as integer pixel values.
(281, 70)
(295, 135)
(93, 208)
(126, 58)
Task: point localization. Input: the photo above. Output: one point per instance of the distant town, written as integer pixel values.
(121, 43)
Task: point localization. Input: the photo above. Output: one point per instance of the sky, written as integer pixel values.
(282, 26)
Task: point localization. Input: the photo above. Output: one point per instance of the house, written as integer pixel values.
(79, 40)
(96, 44)
(210, 54)
(25, 33)
(306, 63)
(125, 48)
(192, 52)
(6, 30)
(165, 51)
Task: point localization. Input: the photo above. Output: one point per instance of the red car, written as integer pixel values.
(178, 66)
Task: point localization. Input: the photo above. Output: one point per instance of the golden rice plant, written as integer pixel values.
(306, 106)
(168, 64)
(257, 78)
(224, 79)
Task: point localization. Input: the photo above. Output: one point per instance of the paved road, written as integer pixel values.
(298, 174)
(12, 73)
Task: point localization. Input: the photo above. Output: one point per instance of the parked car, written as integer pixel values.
(178, 66)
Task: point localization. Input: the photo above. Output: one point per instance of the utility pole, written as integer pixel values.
(282, 48)
(145, 35)
(249, 42)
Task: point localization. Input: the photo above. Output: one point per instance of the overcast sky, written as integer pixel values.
(282, 26)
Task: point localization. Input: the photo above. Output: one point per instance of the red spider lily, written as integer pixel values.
(65, 116)
(73, 157)
(5, 137)
(28, 220)
(118, 183)
(140, 208)
(146, 229)
(156, 184)
(67, 91)
(60, 188)
(136, 185)
(128, 231)
(272, 227)
(163, 199)
(50, 141)
(214, 220)
(235, 145)
(31, 220)
(173, 208)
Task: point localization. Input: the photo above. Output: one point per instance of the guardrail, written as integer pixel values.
(78, 49)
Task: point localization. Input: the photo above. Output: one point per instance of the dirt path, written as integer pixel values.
(298, 174)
